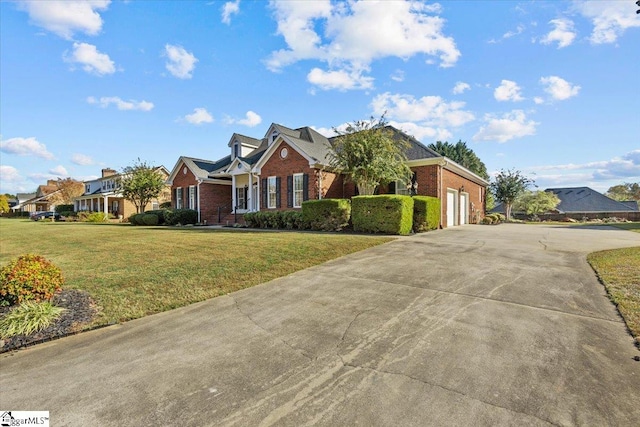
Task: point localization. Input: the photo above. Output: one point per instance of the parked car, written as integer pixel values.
(43, 215)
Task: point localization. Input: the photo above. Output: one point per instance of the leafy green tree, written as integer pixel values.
(462, 155)
(626, 191)
(4, 203)
(367, 153)
(140, 184)
(536, 202)
(507, 186)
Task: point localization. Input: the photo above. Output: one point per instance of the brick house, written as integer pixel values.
(103, 195)
(39, 201)
(288, 166)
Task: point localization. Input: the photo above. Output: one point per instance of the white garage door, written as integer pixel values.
(451, 208)
(464, 208)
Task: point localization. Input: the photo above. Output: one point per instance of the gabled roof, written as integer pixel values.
(245, 140)
(200, 168)
(585, 199)
(630, 203)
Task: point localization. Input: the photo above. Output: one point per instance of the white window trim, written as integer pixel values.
(179, 198)
(192, 197)
(301, 190)
(275, 198)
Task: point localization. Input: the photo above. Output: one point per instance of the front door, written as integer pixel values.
(241, 198)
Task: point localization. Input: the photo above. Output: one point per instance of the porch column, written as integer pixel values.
(233, 193)
(198, 200)
(106, 205)
(259, 193)
(250, 193)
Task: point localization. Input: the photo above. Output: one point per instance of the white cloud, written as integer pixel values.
(9, 174)
(508, 91)
(105, 101)
(626, 167)
(64, 18)
(82, 160)
(509, 126)
(59, 171)
(228, 9)
(422, 132)
(563, 33)
(538, 100)
(199, 116)
(25, 147)
(610, 19)
(251, 119)
(341, 79)
(558, 88)
(509, 34)
(431, 111)
(91, 59)
(397, 76)
(181, 63)
(460, 87)
(355, 34)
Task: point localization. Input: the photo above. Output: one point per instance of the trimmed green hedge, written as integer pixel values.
(389, 214)
(283, 220)
(180, 216)
(160, 213)
(426, 213)
(149, 219)
(64, 208)
(326, 214)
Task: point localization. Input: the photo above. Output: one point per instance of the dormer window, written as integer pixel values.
(273, 137)
(236, 150)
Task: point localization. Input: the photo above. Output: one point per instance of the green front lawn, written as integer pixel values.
(619, 271)
(135, 271)
(632, 226)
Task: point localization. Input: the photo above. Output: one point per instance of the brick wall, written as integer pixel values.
(476, 196)
(183, 180)
(292, 164)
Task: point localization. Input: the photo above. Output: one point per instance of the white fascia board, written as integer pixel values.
(450, 165)
(272, 149)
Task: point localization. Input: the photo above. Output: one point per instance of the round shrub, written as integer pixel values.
(149, 219)
(29, 277)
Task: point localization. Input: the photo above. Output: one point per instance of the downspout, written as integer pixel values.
(442, 198)
(320, 184)
(199, 181)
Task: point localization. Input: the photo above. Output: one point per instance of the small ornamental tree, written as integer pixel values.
(623, 192)
(369, 156)
(507, 186)
(140, 184)
(536, 202)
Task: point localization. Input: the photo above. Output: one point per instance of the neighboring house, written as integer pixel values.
(38, 201)
(586, 200)
(288, 166)
(103, 195)
(581, 202)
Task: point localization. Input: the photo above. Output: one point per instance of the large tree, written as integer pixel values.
(536, 202)
(462, 155)
(4, 203)
(367, 153)
(67, 190)
(507, 186)
(140, 184)
(626, 191)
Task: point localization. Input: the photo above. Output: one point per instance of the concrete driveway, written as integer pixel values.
(475, 325)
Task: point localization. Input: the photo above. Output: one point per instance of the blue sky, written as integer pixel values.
(549, 88)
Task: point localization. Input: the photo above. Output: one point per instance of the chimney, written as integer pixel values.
(108, 172)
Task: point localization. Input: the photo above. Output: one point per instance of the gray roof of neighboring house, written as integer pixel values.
(585, 199)
(631, 203)
(25, 196)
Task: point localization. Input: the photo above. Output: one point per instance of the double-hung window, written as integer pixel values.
(271, 186)
(192, 197)
(298, 190)
(179, 198)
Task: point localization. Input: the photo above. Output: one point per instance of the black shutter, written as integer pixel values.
(246, 191)
(265, 193)
(392, 187)
(305, 187)
(278, 201)
(195, 197)
(289, 191)
(175, 198)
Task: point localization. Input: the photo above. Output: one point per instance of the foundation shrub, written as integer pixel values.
(326, 214)
(426, 213)
(389, 214)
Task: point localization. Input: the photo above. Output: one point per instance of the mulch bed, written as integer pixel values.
(81, 310)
